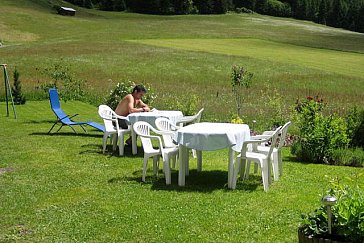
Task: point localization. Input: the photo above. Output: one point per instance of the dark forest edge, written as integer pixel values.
(347, 14)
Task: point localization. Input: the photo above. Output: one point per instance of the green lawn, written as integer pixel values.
(62, 188)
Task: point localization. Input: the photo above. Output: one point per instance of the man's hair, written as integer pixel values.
(139, 88)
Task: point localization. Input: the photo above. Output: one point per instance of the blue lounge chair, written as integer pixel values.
(64, 119)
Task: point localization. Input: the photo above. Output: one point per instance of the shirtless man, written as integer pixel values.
(131, 103)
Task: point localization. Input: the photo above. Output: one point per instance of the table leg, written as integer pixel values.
(231, 168)
(134, 148)
(199, 160)
(182, 165)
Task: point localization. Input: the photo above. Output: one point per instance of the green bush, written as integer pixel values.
(319, 135)
(350, 157)
(347, 214)
(126, 87)
(355, 121)
(69, 87)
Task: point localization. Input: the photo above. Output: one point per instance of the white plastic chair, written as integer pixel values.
(262, 159)
(112, 128)
(164, 124)
(143, 129)
(277, 152)
(190, 119)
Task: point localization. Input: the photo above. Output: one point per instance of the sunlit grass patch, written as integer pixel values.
(320, 59)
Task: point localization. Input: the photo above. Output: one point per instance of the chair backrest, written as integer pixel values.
(110, 122)
(56, 106)
(274, 141)
(142, 129)
(198, 115)
(191, 119)
(283, 134)
(164, 124)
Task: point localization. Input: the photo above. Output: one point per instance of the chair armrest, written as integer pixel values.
(120, 117)
(255, 143)
(154, 137)
(263, 136)
(268, 133)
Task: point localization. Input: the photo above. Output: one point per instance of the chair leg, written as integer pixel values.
(243, 169)
(114, 141)
(121, 145)
(275, 166)
(247, 170)
(104, 142)
(265, 175)
(167, 170)
(280, 164)
(235, 174)
(145, 164)
(52, 128)
(155, 164)
(70, 127)
(83, 128)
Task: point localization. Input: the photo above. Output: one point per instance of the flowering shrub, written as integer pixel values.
(126, 87)
(319, 135)
(235, 119)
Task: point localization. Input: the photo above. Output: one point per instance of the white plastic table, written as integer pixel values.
(150, 117)
(210, 136)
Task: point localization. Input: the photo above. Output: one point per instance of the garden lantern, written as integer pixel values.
(329, 201)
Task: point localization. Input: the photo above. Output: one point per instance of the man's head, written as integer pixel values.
(139, 91)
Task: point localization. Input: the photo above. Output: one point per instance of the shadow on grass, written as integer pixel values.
(39, 122)
(203, 181)
(97, 148)
(60, 133)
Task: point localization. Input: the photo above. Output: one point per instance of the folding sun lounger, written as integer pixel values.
(64, 119)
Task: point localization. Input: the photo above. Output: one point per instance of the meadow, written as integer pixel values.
(61, 188)
(293, 58)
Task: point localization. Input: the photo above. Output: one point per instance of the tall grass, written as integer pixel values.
(297, 58)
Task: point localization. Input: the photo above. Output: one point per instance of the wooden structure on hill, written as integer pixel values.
(66, 11)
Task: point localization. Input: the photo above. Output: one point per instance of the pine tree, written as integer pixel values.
(18, 97)
(323, 12)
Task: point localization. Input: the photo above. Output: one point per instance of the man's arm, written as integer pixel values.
(144, 106)
(140, 106)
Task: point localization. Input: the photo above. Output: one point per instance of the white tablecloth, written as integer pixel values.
(151, 116)
(210, 136)
(213, 136)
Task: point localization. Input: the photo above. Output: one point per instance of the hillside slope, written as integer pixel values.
(291, 57)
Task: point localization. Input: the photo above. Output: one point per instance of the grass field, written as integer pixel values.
(295, 58)
(61, 188)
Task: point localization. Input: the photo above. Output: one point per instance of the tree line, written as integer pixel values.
(348, 14)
